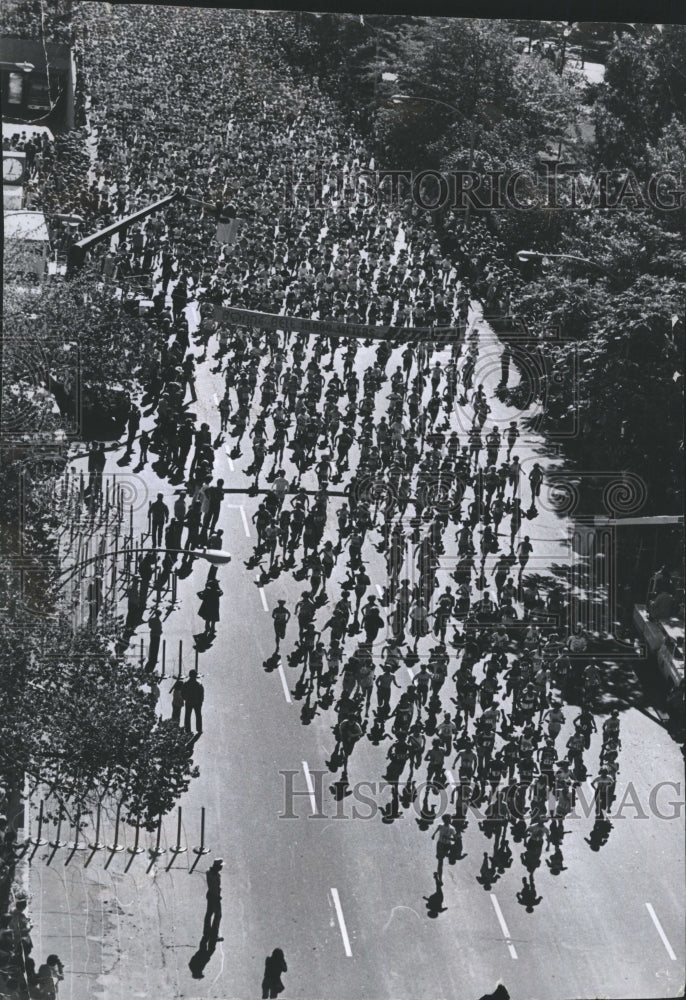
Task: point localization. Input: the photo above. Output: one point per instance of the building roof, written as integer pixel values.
(26, 226)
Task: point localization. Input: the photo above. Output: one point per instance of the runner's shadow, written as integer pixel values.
(271, 663)
(434, 902)
(341, 789)
(205, 951)
(391, 812)
(308, 711)
(202, 641)
(556, 862)
(487, 872)
(376, 732)
(409, 794)
(427, 815)
(599, 834)
(526, 896)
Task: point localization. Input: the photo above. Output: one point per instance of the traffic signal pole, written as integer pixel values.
(76, 254)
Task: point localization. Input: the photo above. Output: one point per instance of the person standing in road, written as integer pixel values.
(215, 495)
(155, 623)
(193, 521)
(209, 607)
(143, 444)
(159, 515)
(134, 423)
(193, 697)
(176, 692)
(133, 598)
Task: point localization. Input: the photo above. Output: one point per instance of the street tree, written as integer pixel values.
(80, 721)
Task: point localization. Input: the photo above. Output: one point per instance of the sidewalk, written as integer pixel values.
(120, 934)
(124, 926)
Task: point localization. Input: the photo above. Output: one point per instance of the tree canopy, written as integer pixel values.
(79, 719)
(619, 303)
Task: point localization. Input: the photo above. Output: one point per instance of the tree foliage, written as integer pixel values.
(75, 715)
(78, 719)
(75, 329)
(643, 92)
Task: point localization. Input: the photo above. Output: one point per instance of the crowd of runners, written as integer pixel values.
(353, 446)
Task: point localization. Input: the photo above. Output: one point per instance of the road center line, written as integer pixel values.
(214, 397)
(410, 671)
(263, 597)
(658, 927)
(246, 526)
(341, 923)
(503, 926)
(310, 787)
(228, 457)
(284, 685)
(379, 589)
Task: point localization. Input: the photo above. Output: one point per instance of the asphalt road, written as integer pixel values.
(346, 898)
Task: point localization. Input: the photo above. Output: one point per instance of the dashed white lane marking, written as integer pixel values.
(503, 926)
(284, 685)
(228, 457)
(215, 398)
(658, 928)
(310, 787)
(263, 596)
(379, 589)
(341, 923)
(244, 519)
(410, 671)
(450, 778)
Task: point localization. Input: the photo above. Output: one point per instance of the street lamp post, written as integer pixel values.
(25, 67)
(217, 557)
(523, 256)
